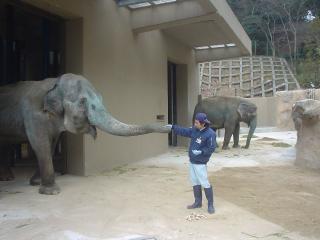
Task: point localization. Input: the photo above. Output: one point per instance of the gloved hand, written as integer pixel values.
(168, 126)
(196, 152)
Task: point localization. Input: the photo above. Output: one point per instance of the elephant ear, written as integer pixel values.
(53, 101)
(246, 109)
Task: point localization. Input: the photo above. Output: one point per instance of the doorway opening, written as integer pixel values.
(31, 48)
(172, 101)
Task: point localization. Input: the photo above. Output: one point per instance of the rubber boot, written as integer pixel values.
(197, 192)
(209, 196)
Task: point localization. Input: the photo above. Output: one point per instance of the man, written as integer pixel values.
(202, 145)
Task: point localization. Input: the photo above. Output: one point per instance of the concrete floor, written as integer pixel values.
(147, 199)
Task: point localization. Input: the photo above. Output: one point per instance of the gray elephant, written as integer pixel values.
(39, 111)
(227, 113)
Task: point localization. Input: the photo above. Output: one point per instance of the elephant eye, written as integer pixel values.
(93, 107)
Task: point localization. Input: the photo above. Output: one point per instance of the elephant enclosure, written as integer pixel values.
(259, 194)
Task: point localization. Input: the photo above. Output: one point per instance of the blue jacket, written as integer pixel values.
(204, 140)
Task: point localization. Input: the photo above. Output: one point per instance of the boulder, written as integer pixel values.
(306, 118)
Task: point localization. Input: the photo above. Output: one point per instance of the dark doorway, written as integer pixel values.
(32, 43)
(172, 100)
(31, 48)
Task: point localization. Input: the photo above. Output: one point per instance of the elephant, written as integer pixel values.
(227, 113)
(39, 111)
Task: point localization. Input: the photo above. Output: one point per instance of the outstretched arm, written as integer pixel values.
(185, 132)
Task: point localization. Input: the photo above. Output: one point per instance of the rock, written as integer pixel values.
(306, 118)
(285, 100)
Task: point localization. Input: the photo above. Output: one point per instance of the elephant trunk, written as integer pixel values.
(107, 123)
(252, 127)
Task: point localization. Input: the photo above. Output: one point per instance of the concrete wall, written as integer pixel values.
(267, 116)
(285, 102)
(130, 71)
(276, 111)
(74, 63)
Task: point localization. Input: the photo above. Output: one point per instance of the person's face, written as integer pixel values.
(198, 125)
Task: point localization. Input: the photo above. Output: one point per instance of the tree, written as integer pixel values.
(289, 28)
(272, 21)
(308, 70)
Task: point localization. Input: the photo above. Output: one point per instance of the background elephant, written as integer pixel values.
(227, 113)
(39, 111)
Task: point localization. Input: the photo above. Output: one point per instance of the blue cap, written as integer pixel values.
(202, 118)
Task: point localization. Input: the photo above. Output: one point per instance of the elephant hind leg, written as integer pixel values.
(215, 130)
(229, 129)
(236, 134)
(6, 173)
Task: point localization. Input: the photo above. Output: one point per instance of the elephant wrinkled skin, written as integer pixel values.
(39, 111)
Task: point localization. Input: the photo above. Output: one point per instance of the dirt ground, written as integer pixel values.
(259, 194)
(287, 196)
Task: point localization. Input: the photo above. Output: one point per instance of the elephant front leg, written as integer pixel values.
(236, 136)
(42, 148)
(35, 180)
(48, 185)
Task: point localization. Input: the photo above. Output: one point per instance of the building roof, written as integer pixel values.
(208, 26)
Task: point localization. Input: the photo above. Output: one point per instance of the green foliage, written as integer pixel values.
(308, 67)
(307, 73)
(284, 28)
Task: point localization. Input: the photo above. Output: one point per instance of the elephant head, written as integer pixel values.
(248, 113)
(81, 107)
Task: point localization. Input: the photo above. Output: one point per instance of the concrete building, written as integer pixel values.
(141, 56)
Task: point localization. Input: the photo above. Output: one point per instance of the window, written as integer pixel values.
(134, 4)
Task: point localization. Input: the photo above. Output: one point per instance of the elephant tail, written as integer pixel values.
(197, 108)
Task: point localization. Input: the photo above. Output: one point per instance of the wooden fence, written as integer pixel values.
(247, 77)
